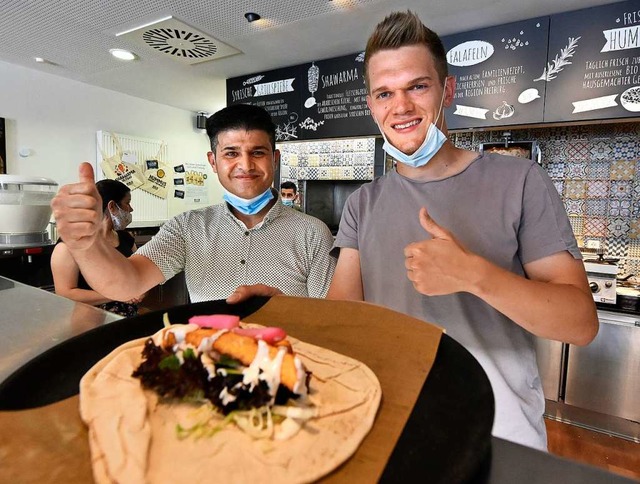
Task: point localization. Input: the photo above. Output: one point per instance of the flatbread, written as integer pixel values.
(133, 437)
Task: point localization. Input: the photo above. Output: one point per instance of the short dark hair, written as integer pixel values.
(401, 29)
(240, 116)
(111, 190)
(289, 185)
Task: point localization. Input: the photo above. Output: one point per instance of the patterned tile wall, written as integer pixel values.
(343, 159)
(596, 170)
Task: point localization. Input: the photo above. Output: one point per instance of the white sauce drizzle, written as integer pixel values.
(264, 368)
(207, 343)
(227, 397)
(300, 388)
(208, 365)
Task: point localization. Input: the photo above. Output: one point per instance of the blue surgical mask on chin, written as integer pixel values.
(287, 202)
(248, 207)
(432, 143)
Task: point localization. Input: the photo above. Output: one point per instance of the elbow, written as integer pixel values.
(588, 334)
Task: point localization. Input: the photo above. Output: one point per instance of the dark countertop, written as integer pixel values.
(33, 320)
(514, 463)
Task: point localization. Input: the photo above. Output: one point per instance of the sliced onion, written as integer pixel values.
(288, 428)
(216, 321)
(300, 413)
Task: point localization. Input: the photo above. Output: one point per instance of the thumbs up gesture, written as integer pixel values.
(439, 265)
(77, 209)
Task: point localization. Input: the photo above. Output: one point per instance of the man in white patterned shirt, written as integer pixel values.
(249, 240)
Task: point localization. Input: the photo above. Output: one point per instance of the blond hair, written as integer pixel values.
(401, 29)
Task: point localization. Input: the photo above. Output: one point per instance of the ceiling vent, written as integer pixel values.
(179, 41)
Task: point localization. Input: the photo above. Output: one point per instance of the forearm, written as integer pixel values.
(86, 296)
(110, 273)
(347, 280)
(559, 311)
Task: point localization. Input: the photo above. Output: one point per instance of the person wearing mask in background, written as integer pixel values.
(67, 277)
(481, 244)
(289, 195)
(224, 249)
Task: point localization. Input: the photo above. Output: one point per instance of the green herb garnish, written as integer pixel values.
(170, 362)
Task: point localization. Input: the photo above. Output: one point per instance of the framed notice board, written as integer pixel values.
(496, 70)
(593, 70)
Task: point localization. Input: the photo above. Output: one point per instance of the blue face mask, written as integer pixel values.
(248, 207)
(287, 202)
(432, 143)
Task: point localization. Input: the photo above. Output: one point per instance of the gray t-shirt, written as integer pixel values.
(288, 250)
(504, 209)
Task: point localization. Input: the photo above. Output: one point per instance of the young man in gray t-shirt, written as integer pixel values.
(480, 245)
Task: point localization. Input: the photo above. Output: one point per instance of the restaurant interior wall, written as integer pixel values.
(596, 170)
(56, 119)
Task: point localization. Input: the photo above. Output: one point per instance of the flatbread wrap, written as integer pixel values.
(133, 431)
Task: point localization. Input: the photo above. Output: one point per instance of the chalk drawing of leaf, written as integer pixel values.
(561, 60)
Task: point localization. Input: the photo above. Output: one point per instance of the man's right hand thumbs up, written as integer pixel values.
(77, 209)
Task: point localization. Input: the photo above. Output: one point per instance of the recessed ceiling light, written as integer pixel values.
(251, 17)
(40, 60)
(122, 54)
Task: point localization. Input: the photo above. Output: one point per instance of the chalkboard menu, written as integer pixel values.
(496, 70)
(335, 99)
(278, 91)
(321, 99)
(593, 70)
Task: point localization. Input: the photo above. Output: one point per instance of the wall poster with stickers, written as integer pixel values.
(496, 70)
(594, 64)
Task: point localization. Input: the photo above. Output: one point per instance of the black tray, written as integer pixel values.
(55, 374)
(447, 438)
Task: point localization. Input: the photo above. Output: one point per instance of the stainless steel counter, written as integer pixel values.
(596, 386)
(33, 320)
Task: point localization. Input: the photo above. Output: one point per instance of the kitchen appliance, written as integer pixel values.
(25, 210)
(601, 274)
(520, 149)
(628, 298)
(25, 244)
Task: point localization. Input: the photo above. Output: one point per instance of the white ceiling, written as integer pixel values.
(75, 37)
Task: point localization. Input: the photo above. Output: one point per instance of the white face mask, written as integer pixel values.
(248, 206)
(121, 219)
(432, 143)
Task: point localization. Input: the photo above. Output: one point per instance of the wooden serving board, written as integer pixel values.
(50, 443)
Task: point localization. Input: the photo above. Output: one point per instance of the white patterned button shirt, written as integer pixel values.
(288, 250)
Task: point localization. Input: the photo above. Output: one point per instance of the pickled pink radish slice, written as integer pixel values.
(268, 335)
(216, 321)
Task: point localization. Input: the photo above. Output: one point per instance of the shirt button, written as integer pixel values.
(242, 261)
(246, 233)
